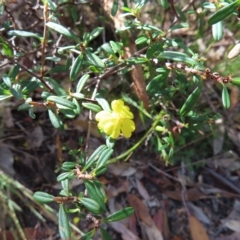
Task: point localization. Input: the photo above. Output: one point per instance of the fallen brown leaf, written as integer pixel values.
(197, 230)
(140, 209)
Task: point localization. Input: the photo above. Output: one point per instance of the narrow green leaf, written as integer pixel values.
(14, 71)
(81, 82)
(55, 119)
(94, 59)
(68, 113)
(90, 205)
(43, 197)
(103, 103)
(69, 165)
(77, 110)
(89, 235)
(96, 192)
(105, 234)
(217, 31)
(178, 26)
(76, 67)
(165, 4)
(114, 8)
(91, 106)
(105, 155)
(65, 185)
(107, 48)
(96, 32)
(94, 157)
(191, 100)
(63, 30)
(141, 39)
(225, 97)
(117, 216)
(7, 51)
(236, 81)
(24, 34)
(31, 86)
(58, 89)
(63, 224)
(101, 170)
(16, 91)
(31, 113)
(61, 101)
(3, 97)
(64, 176)
(116, 46)
(6, 80)
(223, 13)
(177, 57)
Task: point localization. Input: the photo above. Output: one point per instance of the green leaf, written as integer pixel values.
(107, 48)
(77, 95)
(65, 175)
(177, 57)
(65, 185)
(24, 34)
(69, 113)
(105, 234)
(178, 26)
(61, 101)
(90, 205)
(141, 39)
(58, 89)
(31, 113)
(191, 100)
(7, 51)
(16, 91)
(94, 157)
(76, 67)
(77, 110)
(116, 46)
(165, 4)
(236, 81)
(89, 235)
(225, 97)
(43, 197)
(99, 171)
(62, 30)
(3, 97)
(223, 13)
(6, 80)
(217, 31)
(55, 119)
(96, 32)
(114, 8)
(105, 155)
(31, 86)
(103, 103)
(117, 216)
(81, 82)
(63, 224)
(91, 106)
(14, 71)
(94, 59)
(67, 166)
(96, 192)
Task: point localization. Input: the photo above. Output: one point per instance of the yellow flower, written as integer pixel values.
(116, 122)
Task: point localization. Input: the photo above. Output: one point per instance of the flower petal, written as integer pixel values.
(127, 127)
(103, 114)
(119, 107)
